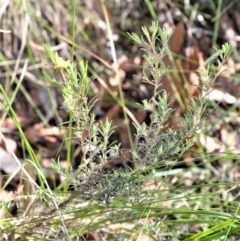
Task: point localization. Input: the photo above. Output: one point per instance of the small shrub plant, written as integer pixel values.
(99, 196)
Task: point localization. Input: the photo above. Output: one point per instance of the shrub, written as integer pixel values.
(156, 148)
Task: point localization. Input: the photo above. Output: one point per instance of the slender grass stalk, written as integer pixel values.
(217, 22)
(151, 9)
(122, 101)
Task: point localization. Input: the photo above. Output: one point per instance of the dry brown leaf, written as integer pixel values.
(9, 124)
(185, 83)
(91, 236)
(227, 27)
(228, 86)
(176, 40)
(221, 97)
(229, 138)
(211, 144)
(175, 43)
(10, 145)
(6, 196)
(7, 162)
(47, 139)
